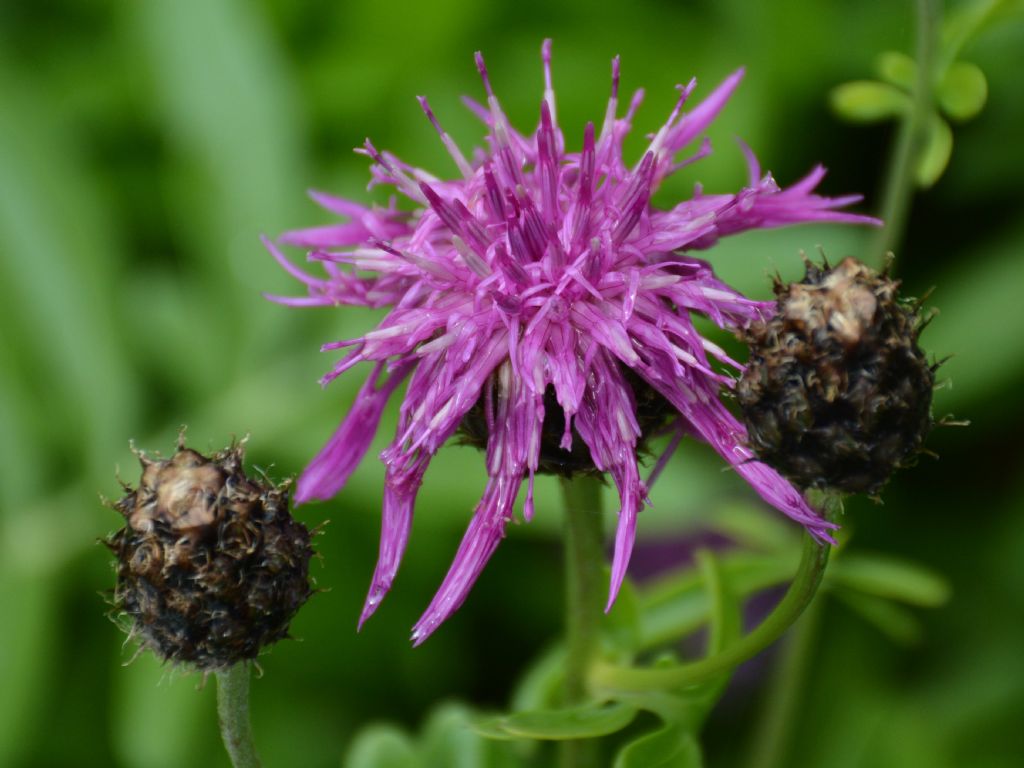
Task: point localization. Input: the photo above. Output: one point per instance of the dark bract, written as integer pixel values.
(837, 393)
(211, 566)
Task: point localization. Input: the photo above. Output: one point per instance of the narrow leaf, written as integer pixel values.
(889, 578)
(725, 620)
(935, 154)
(892, 619)
(585, 722)
(670, 747)
(868, 101)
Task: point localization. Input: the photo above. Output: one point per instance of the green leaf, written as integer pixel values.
(677, 605)
(966, 21)
(868, 101)
(584, 722)
(934, 157)
(889, 578)
(752, 527)
(381, 746)
(897, 69)
(894, 620)
(725, 620)
(725, 626)
(450, 740)
(963, 91)
(670, 747)
(541, 684)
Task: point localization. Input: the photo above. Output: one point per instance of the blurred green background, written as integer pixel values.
(144, 146)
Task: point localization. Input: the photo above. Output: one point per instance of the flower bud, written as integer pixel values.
(210, 566)
(837, 393)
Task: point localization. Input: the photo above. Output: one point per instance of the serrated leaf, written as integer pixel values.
(381, 746)
(897, 69)
(934, 157)
(963, 91)
(889, 578)
(584, 722)
(868, 101)
(670, 747)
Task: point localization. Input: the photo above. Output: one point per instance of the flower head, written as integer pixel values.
(540, 282)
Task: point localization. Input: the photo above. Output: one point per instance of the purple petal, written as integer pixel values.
(330, 469)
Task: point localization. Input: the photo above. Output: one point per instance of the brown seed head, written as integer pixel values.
(837, 392)
(211, 566)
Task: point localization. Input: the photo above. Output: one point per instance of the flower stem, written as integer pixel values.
(233, 714)
(900, 182)
(608, 677)
(585, 584)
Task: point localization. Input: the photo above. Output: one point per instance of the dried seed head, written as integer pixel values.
(837, 394)
(211, 566)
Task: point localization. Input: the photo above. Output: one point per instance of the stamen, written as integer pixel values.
(478, 57)
(494, 196)
(474, 262)
(585, 189)
(613, 104)
(547, 165)
(549, 91)
(398, 176)
(449, 143)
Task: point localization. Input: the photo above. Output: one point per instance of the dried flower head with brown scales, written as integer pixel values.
(211, 567)
(837, 393)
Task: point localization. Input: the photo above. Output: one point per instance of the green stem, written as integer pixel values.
(233, 713)
(609, 677)
(585, 589)
(900, 181)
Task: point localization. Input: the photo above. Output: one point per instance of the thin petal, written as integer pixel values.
(396, 522)
(607, 424)
(485, 531)
(330, 469)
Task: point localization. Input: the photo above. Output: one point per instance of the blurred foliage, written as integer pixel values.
(945, 89)
(143, 148)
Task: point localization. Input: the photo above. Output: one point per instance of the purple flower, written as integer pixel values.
(537, 271)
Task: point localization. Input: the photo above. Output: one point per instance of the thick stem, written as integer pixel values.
(585, 585)
(609, 677)
(233, 714)
(900, 181)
